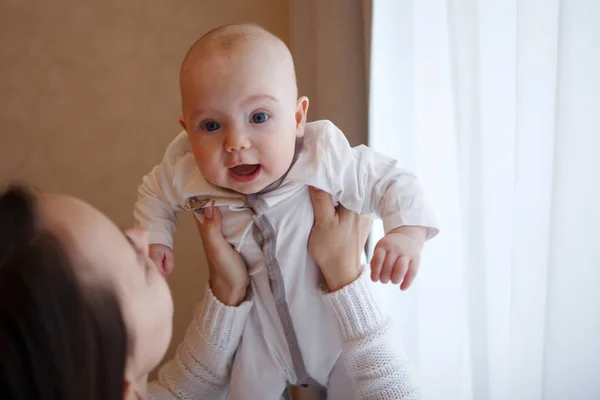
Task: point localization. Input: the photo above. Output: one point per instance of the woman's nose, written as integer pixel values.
(139, 237)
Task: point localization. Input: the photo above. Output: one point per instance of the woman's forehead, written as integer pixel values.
(90, 238)
(68, 213)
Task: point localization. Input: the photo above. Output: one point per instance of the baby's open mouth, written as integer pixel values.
(245, 169)
(245, 172)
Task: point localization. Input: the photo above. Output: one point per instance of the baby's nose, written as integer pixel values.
(236, 141)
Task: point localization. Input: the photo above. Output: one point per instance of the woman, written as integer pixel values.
(84, 314)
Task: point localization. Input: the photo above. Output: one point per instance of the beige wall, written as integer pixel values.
(89, 95)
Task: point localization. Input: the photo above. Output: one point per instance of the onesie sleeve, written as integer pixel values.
(373, 184)
(159, 199)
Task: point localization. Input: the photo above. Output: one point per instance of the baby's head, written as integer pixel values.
(241, 108)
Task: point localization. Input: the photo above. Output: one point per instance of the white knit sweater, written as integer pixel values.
(201, 367)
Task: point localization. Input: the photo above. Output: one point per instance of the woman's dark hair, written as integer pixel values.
(60, 339)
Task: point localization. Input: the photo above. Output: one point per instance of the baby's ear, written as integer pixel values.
(301, 112)
(182, 122)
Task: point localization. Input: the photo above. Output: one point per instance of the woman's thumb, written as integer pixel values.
(323, 206)
(214, 217)
(211, 221)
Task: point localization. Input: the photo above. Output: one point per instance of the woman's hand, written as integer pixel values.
(337, 239)
(227, 271)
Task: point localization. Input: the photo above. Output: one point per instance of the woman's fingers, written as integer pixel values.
(364, 228)
(377, 263)
(210, 227)
(227, 271)
(325, 212)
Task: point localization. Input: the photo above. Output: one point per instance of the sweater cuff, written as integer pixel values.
(356, 309)
(221, 324)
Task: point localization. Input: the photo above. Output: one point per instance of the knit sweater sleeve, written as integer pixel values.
(372, 353)
(201, 366)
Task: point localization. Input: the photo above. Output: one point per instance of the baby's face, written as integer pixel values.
(242, 117)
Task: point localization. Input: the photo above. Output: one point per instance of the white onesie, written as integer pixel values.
(290, 336)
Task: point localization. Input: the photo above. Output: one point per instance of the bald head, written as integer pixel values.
(237, 41)
(238, 81)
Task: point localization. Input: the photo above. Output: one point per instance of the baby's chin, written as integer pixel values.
(250, 188)
(241, 188)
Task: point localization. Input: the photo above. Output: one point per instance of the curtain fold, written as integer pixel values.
(495, 105)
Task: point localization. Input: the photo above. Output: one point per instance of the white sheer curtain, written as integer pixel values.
(496, 105)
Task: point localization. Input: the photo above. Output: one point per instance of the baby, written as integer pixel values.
(247, 149)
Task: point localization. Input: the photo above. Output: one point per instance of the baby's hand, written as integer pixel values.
(397, 256)
(163, 257)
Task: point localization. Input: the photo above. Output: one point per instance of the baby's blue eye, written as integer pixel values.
(210, 126)
(259, 118)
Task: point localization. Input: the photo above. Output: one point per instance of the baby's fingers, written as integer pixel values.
(156, 255)
(410, 275)
(159, 258)
(388, 267)
(400, 268)
(168, 264)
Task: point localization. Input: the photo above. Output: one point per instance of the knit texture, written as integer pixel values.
(373, 356)
(202, 364)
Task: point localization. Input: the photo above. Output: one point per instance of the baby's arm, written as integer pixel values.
(373, 184)
(157, 205)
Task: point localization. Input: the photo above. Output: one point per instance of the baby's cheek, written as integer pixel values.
(280, 161)
(212, 173)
